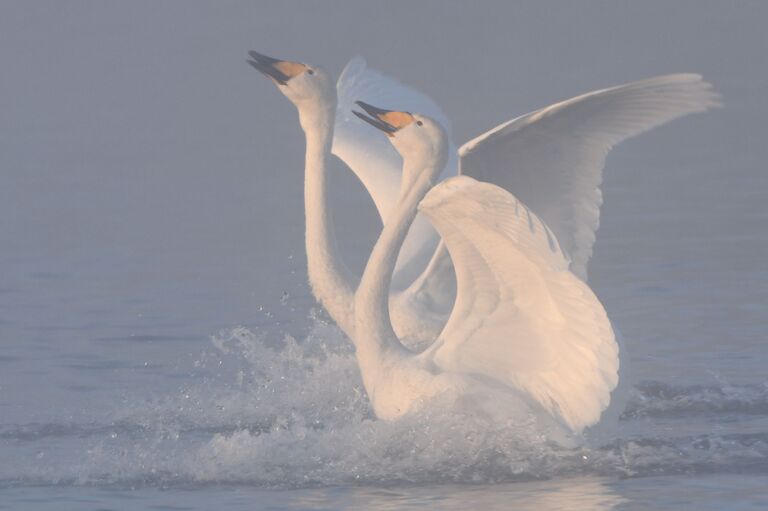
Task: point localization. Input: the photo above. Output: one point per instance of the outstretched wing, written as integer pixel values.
(521, 317)
(370, 156)
(552, 159)
(373, 159)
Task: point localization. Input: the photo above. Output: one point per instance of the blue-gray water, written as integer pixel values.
(159, 348)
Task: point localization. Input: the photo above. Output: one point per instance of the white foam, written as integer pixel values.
(274, 411)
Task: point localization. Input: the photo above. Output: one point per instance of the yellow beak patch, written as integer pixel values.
(397, 119)
(290, 69)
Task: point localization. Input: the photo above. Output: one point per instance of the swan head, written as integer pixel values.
(304, 85)
(420, 140)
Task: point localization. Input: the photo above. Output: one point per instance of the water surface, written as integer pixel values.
(159, 345)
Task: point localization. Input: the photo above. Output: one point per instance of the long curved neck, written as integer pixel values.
(330, 280)
(375, 337)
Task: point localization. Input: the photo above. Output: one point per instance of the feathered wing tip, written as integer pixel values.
(368, 154)
(355, 66)
(347, 86)
(559, 151)
(699, 93)
(359, 82)
(649, 104)
(680, 93)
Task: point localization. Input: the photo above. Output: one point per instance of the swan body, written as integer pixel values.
(551, 159)
(526, 334)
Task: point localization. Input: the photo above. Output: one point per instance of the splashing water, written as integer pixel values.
(282, 412)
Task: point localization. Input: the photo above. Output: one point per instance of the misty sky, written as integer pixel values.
(137, 127)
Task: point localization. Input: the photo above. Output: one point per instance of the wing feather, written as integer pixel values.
(373, 159)
(368, 154)
(521, 317)
(552, 159)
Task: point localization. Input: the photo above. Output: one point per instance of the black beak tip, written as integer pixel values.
(370, 109)
(265, 65)
(257, 56)
(375, 122)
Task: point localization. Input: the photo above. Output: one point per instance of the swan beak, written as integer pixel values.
(278, 70)
(388, 121)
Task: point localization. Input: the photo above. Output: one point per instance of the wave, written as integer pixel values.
(658, 399)
(281, 412)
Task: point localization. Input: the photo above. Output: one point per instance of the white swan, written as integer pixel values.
(552, 159)
(525, 334)
(312, 91)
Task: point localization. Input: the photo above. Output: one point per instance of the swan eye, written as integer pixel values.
(419, 123)
(309, 71)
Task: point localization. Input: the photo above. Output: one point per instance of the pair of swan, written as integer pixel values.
(524, 326)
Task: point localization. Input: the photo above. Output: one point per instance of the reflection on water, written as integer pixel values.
(709, 493)
(564, 494)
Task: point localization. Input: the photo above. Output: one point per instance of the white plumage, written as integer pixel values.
(552, 159)
(524, 322)
(521, 318)
(524, 329)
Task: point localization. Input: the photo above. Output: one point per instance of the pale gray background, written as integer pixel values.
(151, 181)
(148, 170)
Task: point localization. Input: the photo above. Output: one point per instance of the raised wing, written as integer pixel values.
(370, 156)
(373, 159)
(552, 159)
(520, 318)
